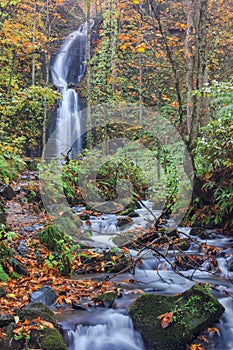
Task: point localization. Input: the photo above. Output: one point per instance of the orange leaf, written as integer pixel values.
(166, 319)
(26, 322)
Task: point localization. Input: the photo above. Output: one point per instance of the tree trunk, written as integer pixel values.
(200, 108)
(189, 43)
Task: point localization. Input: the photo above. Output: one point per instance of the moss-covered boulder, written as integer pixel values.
(47, 337)
(192, 311)
(106, 299)
(34, 310)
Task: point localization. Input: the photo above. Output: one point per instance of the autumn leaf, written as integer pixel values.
(141, 49)
(212, 330)
(43, 322)
(166, 319)
(196, 347)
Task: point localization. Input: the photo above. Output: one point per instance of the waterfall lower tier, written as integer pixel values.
(111, 331)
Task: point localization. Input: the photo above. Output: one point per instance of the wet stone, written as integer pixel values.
(44, 295)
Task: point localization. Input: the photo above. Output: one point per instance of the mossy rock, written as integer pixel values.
(106, 299)
(34, 310)
(50, 236)
(184, 244)
(3, 275)
(51, 339)
(127, 238)
(2, 213)
(231, 267)
(194, 310)
(124, 221)
(46, 339)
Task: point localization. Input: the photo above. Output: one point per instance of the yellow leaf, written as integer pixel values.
(11, 296)
(141, 49)
(135, 2)
(123, 47)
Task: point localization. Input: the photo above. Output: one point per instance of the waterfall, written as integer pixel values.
(114, 331)
(68, 69)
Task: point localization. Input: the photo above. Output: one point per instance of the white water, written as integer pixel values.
(114, 331)
(69, 67)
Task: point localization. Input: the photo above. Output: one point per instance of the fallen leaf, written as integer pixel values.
(166, 319)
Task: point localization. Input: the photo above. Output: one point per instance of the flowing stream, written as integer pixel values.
(112, 329)
(102, 329)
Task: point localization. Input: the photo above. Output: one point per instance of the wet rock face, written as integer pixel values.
(192, 311)
(44, 295)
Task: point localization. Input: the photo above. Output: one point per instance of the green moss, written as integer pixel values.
(52, 340)
(106, 299)
(34, 310)
(50, 236)
(194, 310)
(3, 275)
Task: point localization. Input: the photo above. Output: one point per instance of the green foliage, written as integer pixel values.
(11, 162)
(214, 152)
(62, 246)
(23, 112)
(6, 237)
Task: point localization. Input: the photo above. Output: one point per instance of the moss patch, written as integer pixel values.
(52, 340)
(3, 275)
(194, 310)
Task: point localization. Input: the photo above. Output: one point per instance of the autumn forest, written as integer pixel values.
(116, 186)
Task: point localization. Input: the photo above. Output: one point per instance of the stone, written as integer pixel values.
(106, 299)
(200, 232)
(193, 311)
(7, 192)
(18, 267)
(34, 310)
(22, 248)
(44, 295)
(2, 292)
(46, 339)
(231, 266)
(2, 213)
(124, 221)
(5, 319)
(184, 244)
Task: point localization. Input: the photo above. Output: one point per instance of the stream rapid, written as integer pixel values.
(109, 329)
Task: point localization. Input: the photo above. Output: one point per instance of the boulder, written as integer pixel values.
(7, 192)
(2, 292)
(189, 313)
(47, 338)
(2, 213)
(106, 299)
(124, 221)
(5, 319)
(34, 310)
(18, 267)
(44, 295)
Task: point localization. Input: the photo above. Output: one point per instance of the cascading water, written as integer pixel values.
(109, 330)
(68, 69)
